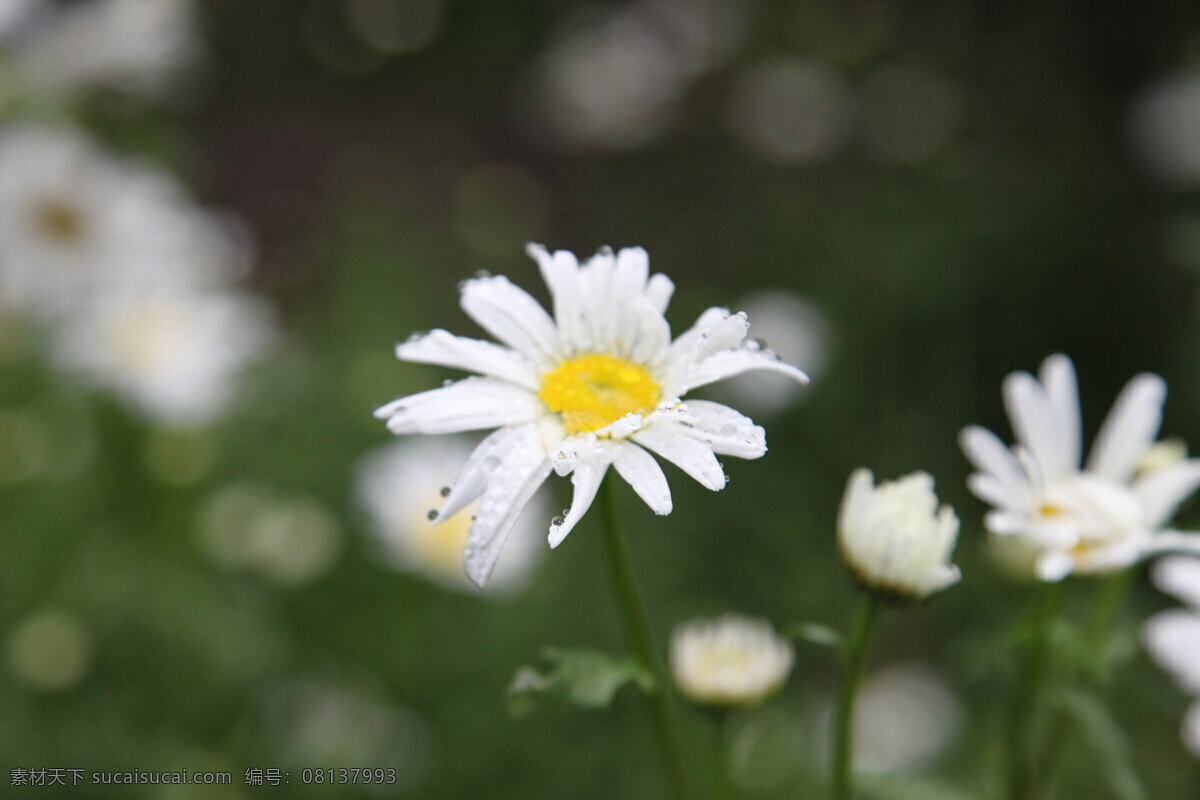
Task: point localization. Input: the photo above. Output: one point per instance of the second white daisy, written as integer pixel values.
(1097, 518)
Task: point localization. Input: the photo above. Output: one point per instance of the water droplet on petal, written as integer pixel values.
(432, 514)
(445, 491)
(557, 522)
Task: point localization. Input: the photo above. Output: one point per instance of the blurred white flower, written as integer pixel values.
(616, 80)
(1097, 519)
(598, 385)
(895, 539)
(795, 329)
(792, 111)
(335, 723)
(729, 661)
(399, 483)
(50, 651)
(287, 540)
(175, 356)
(908, 113)
(1165, 127)
(906, 716)
(127, 45)
(76, 223)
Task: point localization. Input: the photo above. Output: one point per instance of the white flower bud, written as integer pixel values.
(895, 539)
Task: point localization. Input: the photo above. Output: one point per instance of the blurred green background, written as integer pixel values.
(957, 188)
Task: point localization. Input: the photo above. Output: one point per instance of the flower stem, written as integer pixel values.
(1108, 604)
(1022, 766)
(639, 638)
(852, 672)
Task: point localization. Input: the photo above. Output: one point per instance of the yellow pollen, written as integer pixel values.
(596, 390)
(1049, 510)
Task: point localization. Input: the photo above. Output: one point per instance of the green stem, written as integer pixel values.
(1092, 668)
(1021, 751)
(639, 638)
(843, 732)
(1109, 602)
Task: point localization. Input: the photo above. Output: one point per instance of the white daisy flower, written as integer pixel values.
(597, 385)
(729, 661)
(75, 222)
(175, 356)
(895, 539)
(400, 483)
(1096, 518)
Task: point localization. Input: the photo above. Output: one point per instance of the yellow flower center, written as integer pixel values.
(596, 390)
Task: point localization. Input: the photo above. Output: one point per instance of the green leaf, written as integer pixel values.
(573, 679)
(816, 633)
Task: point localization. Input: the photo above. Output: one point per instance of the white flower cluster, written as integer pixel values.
(134, 284)
(1173, 636)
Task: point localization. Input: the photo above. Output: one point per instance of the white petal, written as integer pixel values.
(1004, 523)
(1062, 392)
(509, 313)
(690, 455)
(659, 290)
(989, 455)
(734, 362)
(469, 404)
(633, 267)
(1170, 541)
(1162, 490)
(560, 271)
(1036, 424)
(1173, 638)
(1130, 428)
(724, 335)
(725, 430)
(988, 488)
(599, 306)
(473, 355)
(649, 335)
(510, 488)
(1178, 576)
(479, 466)
(586, 479)
(642, 472)
(1053, 566)
(683, 350)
